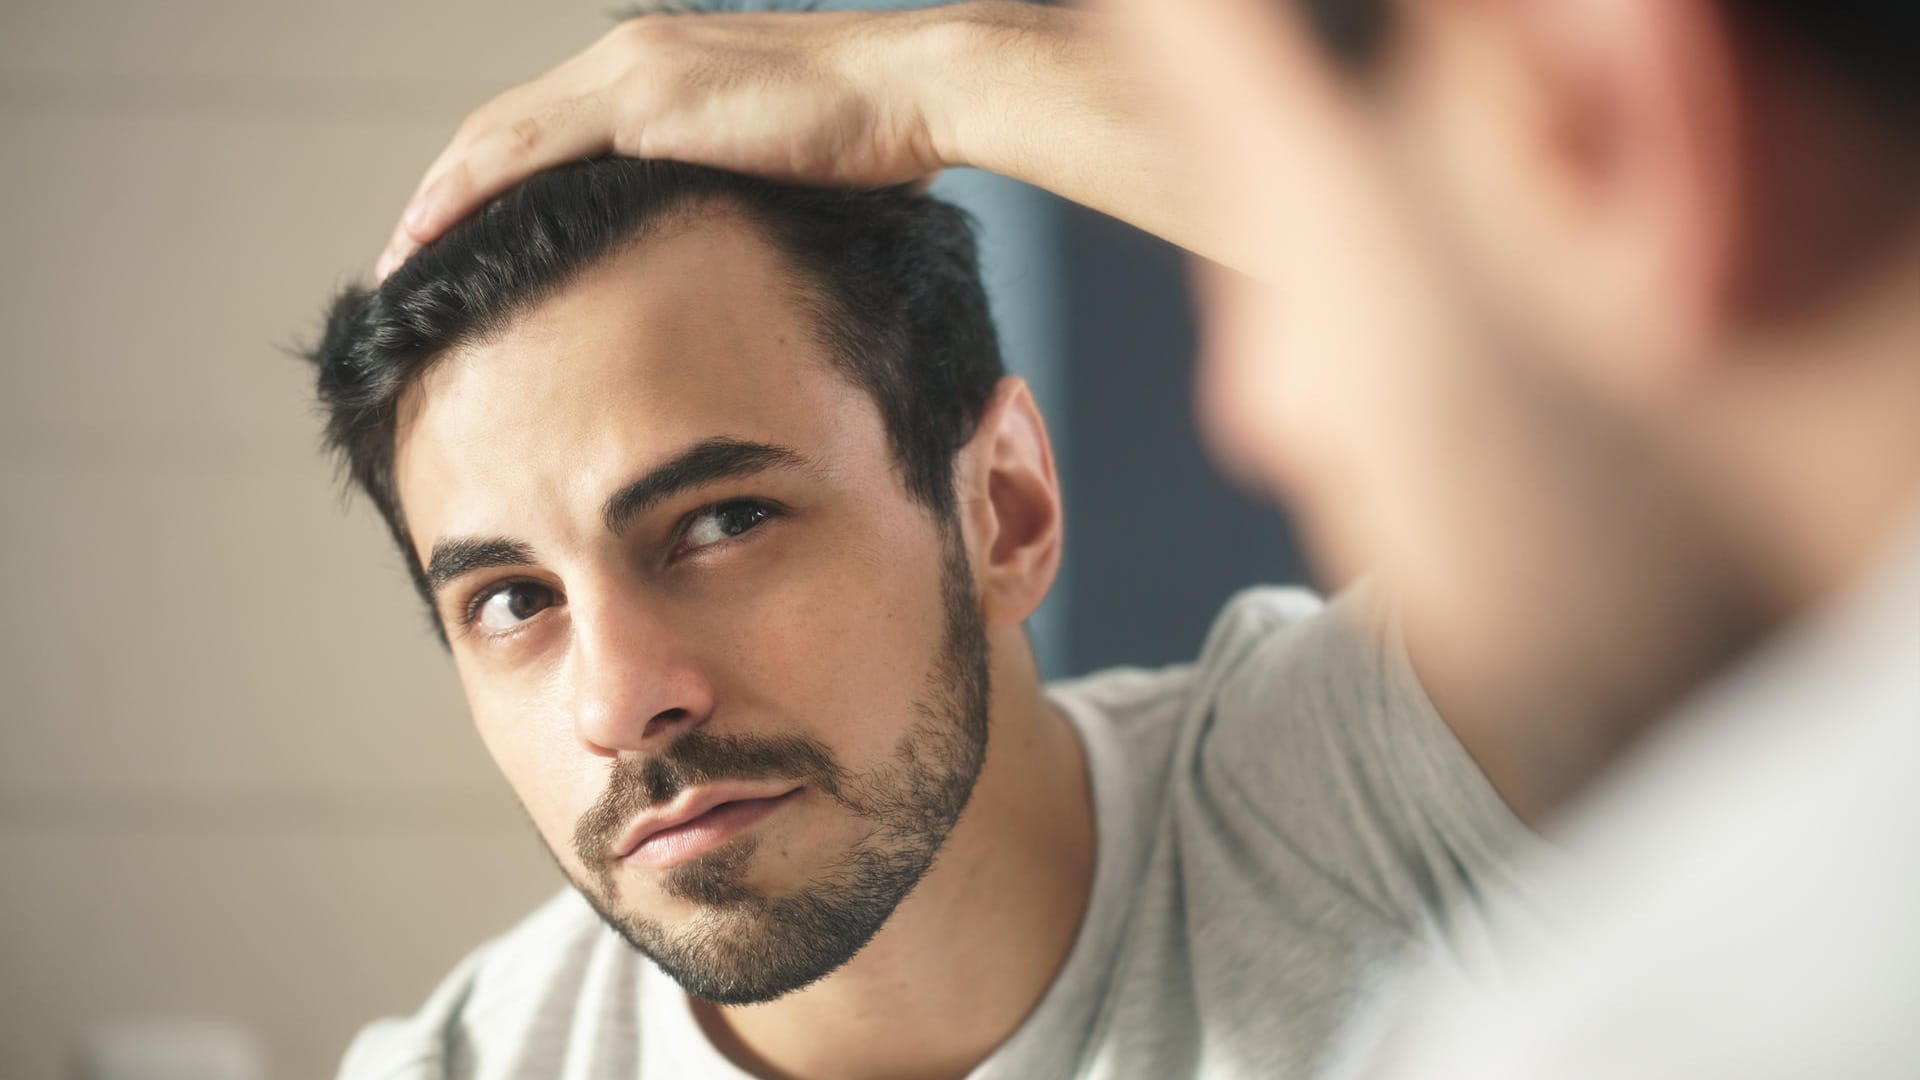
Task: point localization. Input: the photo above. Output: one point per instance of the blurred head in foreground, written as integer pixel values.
(721, 500)
(1591, 325)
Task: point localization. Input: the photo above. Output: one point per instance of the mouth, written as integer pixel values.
(696, 823)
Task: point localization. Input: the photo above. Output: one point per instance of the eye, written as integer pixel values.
(721, 522)
(509, 605)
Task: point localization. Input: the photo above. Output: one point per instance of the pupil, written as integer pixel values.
(523, 602)
(740, 517)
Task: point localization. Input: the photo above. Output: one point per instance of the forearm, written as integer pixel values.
(1046, 96)
(859, 98)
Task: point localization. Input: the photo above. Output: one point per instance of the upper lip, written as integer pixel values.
(691, 804)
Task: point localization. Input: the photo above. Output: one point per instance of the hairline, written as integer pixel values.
(811, 299)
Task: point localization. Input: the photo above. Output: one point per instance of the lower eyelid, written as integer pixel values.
(470, 613)
(769, 512)
(502, 637)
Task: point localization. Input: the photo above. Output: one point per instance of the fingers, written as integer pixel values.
(488, 158)
(767, 94)
(568, 130)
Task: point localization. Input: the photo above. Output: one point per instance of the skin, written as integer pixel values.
(858, 98)
(824, 621)
(1586, 327)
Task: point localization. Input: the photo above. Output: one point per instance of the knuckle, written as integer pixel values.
(474, 124)
(635, 33)
(655, 27)
(524, 134)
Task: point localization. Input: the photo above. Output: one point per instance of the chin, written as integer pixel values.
(741, 944)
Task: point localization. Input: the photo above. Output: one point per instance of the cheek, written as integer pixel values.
(532, 741)
(835, 641)
(839, 648)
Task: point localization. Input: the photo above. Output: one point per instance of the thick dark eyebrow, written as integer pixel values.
(704, 462)
(463, 554)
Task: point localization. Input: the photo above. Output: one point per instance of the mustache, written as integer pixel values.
(637, 784)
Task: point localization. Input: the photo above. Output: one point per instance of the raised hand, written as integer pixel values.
(828, 98)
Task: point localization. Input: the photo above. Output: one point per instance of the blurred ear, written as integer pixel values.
(1586, 155)
(1009, 505)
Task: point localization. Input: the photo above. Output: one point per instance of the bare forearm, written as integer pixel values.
(1041, 94)
(1046, 95)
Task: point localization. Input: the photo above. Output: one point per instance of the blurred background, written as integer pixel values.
(241, 809)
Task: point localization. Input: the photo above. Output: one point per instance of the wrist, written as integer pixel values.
(961, 62)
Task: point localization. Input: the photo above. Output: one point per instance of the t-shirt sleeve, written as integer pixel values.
(1331, 759)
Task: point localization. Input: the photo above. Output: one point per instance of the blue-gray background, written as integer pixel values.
(1096, 316)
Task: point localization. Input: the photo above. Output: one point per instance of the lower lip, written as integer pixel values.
(669, 847)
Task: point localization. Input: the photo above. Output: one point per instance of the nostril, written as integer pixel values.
(666, 719)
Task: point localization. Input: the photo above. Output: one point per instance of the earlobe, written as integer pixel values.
(1015, 514)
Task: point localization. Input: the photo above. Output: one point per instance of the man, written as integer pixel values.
(730, 519)
(1667, 256)
(1595, 335)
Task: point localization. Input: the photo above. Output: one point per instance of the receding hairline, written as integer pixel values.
(688, 213)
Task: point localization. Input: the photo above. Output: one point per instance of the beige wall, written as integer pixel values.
(236, 779)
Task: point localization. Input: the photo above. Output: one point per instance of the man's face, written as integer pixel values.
(1423, 367)
(734, 673)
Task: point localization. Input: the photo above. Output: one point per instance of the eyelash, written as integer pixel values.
(470, 616)
(767, 511)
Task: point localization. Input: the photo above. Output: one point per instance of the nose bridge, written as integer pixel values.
(634, 679)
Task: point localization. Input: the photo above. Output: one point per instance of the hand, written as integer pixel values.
(807, 97)
(853, 98)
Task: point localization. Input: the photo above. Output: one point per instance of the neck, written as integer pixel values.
(1775, 486)
(972, 949)
(1818, 435)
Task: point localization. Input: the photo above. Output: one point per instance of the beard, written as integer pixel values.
(745, 946)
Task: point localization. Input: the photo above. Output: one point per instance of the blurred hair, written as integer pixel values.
(1353, 30)
(890, 280)
(1870, 44)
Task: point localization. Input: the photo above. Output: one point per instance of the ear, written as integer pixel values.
(1009, 505)
(1591, 152)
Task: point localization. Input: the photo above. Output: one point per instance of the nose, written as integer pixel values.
(634, 681)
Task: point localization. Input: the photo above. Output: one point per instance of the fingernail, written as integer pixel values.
(385, 266)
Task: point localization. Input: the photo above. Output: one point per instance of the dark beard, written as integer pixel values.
(745, 947)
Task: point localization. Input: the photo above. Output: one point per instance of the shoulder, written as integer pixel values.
(1313, 707)
(1276, 654)
(1132, 695)
(1253, 615)
(496, 1001)
(1307, 735)
(1139, 724)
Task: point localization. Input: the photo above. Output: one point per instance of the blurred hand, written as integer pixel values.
(807, 97)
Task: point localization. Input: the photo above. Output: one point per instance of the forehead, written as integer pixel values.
(689, 334)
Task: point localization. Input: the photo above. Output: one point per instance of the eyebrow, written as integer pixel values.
(461, 555)
(705, 462)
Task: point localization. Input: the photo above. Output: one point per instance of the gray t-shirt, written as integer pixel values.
(1273, 822)
(1742, 900)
